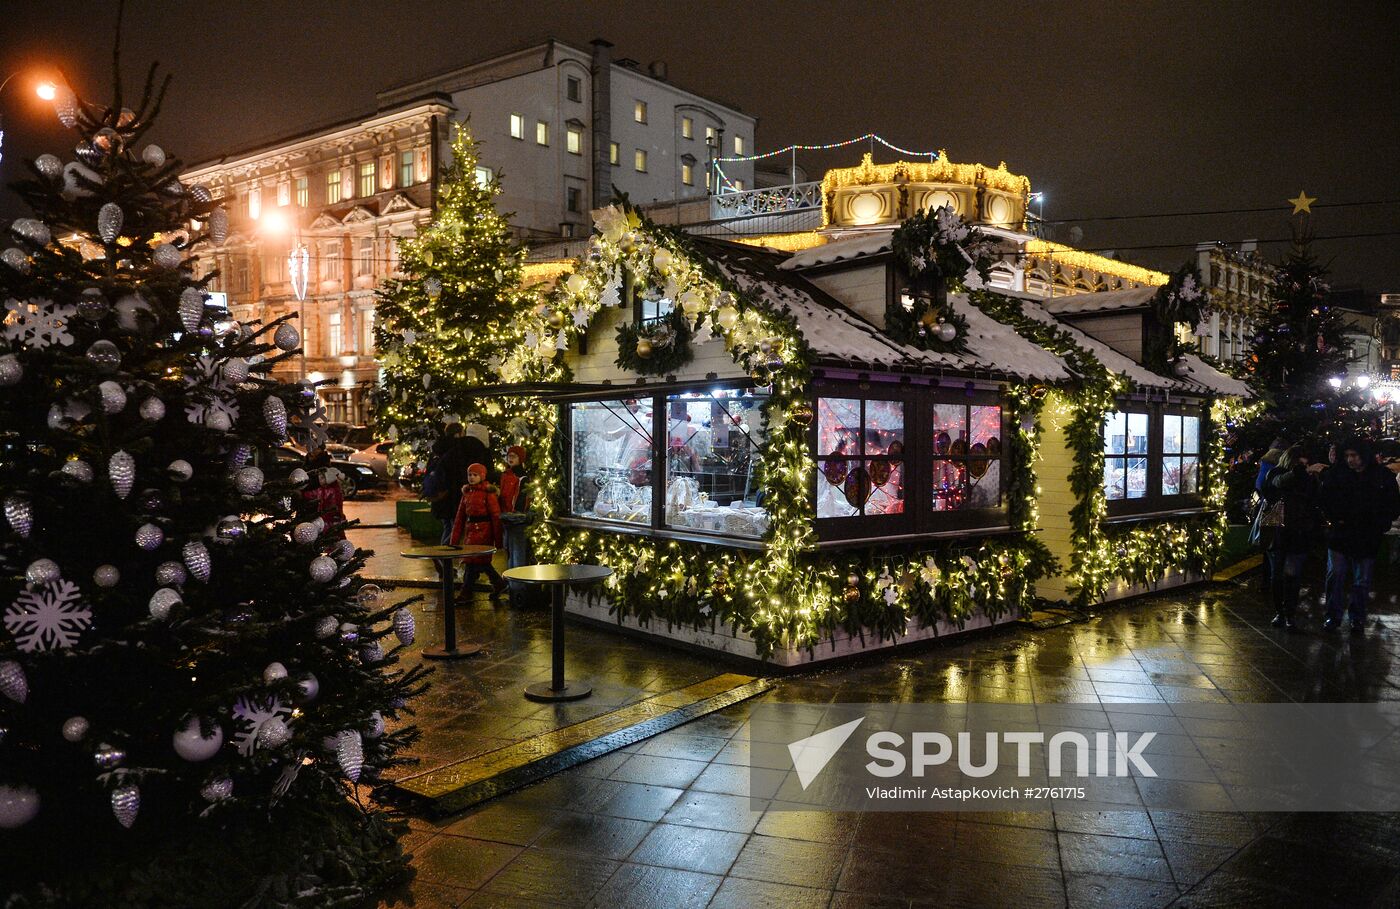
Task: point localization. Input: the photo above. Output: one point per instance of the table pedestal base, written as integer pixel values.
(573, 691)
(456, 653)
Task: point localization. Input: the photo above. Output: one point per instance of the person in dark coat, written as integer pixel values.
(1360, 500)
(448, 463)
(1287, 549)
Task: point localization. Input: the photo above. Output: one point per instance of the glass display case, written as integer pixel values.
(612, 459)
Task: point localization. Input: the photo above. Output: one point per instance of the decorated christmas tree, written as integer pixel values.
(194, 683)
(446, 329)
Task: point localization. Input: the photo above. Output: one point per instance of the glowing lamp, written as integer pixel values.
(1335, 381)
(46, 90)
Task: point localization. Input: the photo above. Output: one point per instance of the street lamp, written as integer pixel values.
(46, 90)
(298, 265)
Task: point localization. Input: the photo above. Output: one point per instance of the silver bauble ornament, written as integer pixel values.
(75, 728)
(305, 533)
(92, 305)
(42, 571)
(217, 790)
(370, 595)
(194, 747)
(126, 802)
(171, 574)
(274, 672)
(152, 409)
(248, 481)
(107, 140)
(343, 551)
(162, 601)
(79, 471)
(218, 226)
(108, 757)
(274, 733)
(946, 332)
(90, 153)
(405, 629)
(149, 537)
(180, 470)
(297, 476)
(376, 725)
(19, 514)
(349, 633)
(49, 165)
(113, 396)
(231, 527)
(196, 558)
(153, 155)
(13, 683)
(1181, 367)
(235, 370)
(16, 259)
(106, 576)
(11, 370)
(350, 753)
(109, 222)
(121, 473)
(327, 626)
(275, 413)
(308, 686)
(18, 806)
(286, 337)
(167, 256)
(191, 308)
(322, 569)
(372, 652)
(104, 355)
(32, 230)
(200, 193)
(218, 420)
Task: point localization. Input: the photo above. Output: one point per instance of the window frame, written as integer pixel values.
(639, 111)
(614, 154)
(335, 341)
(687, 127)
(574, 141)
(573, 89)
(517, 127)
(639, 160)
(1154, 501)
(406, 168)
(301, 191)
(369, 179)
(542, 133)
(335, 189)
(573, 199)
(738, 144)
(687, 173)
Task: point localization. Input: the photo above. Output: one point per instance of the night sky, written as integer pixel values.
(1110, 109)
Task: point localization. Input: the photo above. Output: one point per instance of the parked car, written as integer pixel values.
(375, 456)
(353, 477)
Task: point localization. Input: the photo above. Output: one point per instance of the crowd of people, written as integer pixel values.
(1347, 502)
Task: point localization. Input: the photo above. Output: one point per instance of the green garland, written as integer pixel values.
(669, 337)
(934, 246)
(1178, 302)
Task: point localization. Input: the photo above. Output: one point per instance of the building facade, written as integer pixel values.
(1238, 281)
(563, 127)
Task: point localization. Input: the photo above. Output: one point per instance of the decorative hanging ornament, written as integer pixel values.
(433, 288)
(299, 269)
(113, 397)
(126, 802)
(350, 753)
(18, 806)
(92, 305)
(218, 421)
(349, 633)
(78, 470)
(52, 616)
(274, 733)
(13, 683)
(217, 790)
(16, 259)
(372, 653)
(193, 746)
(946, 331)
(248, 481)
(11, 371)
(234, 370)
(286, 337)
(75, 729)
(153, 155)
(326, 626)
(149, 537)
(162, 601)
(376, 725)
(404, 627)
(171, 574)
(305, 533)
(644, 348)
(104, 355)
(108, 757)
(32, 230)
(65, 106)
(42, 571)
(230, 528)
(275, 414)
(121, 473)
(308, 686)
(180, 470)
(19, 514)
(191, 308)
(298, 476)
(106, 576)
(109, 222)
(218, 226)
(167, 256)
(196, 558)
(322, 569)
(49, 165)
(728, 317)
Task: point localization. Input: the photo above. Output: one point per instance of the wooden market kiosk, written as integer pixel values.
(778, 464)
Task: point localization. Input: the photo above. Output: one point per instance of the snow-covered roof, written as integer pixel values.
(1197, 370)
(839, 336)
(865, 243)
(1105, 301)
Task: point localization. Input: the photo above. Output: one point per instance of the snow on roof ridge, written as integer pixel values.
(865, 243)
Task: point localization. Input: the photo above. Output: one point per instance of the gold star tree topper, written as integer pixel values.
(1303, 203)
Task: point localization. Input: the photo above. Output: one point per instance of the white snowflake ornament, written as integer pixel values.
(253, 715)
(38, 324)
(50, 617)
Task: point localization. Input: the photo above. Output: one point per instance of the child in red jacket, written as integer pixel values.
(478, 523)
(513, 496)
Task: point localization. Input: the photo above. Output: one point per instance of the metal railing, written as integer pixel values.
(766, 201)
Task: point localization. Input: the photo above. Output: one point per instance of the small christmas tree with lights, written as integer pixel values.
(194, 683)
(448, 327)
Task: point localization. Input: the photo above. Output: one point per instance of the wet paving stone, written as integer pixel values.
(675, 846)
(785, 861)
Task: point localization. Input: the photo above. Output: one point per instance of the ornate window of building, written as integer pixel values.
(284, 193)
(406, 168)
(364, 256)
(333, 187)
(333, 344)
(330, 260)
(367, 181)
(255, 202)
(303, 194)
(367, 332)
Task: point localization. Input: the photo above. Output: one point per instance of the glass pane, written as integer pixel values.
(1113, 478)
(1191, 435)
(949, 485)
(712, 450)
(1115, 433)
(1188, 475)
(1171, 434)
(949, 427)
(984, 483)
(884, 427)
(831, 489)
(838, 426)
(612, 454)
(1137, 433)
(883, 483)
(986, 430)
(1137, 478)
(1171, 476)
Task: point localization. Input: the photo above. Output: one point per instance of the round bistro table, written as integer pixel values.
(557, 578)
(442, 557)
